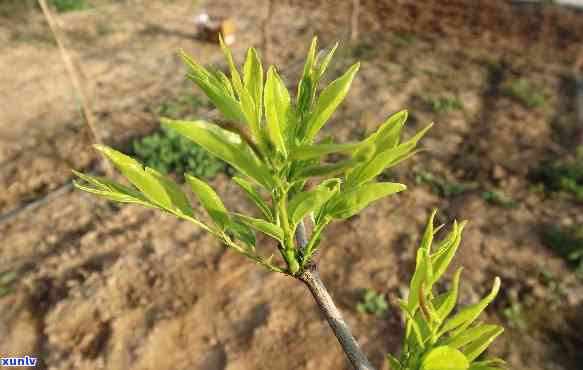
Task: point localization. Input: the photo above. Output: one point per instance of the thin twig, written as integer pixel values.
(355, 16)
(265, 30)
(349, 344)
(75, 80)
(311, 278)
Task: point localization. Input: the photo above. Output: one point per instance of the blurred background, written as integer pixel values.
(88, 284)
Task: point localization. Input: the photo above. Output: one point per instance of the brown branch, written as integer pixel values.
(265, 32)
(75, 80)
(311, 278)
(349, 344)
(355, 16)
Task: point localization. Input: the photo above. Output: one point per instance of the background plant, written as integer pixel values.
(373, 302)
(522, 91)
(272, 140)
(568, 243)
(435, 338)
(561, 176)
(166, 151)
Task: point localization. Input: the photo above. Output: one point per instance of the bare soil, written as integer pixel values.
(103, 286)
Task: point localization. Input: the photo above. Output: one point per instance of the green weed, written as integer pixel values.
(400, 39)
(179, 107)
(68, 5)
(499, 199)
(443, 105)
(515, 316)
(167, 151)
(364, 50)
(7, 278)
(440, 186)
(522, 91)
(373, 303)
(561, 176)
(567, 243)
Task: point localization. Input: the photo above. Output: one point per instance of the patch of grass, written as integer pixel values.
(499, 199)
(180, 107)
(400, 39)
(373, 303)
(514, 316)
(30, 36)
(567, 243)
(443, 105)
(7, 278)
(167, 151)
(557, 287)
(439, 186)
(103, 28)
(364, 50)
(68, 5)
(522, 91)
(561, 176)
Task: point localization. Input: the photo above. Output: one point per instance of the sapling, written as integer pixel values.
(272, 141)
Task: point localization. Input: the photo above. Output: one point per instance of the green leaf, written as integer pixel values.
(412, 324)
(346, 204)
(444, 358)
(305, 202)
(149, 185)
(254, 195)
(467, 315)
(326, 62)
(387, 135)
(311, 151)
(329, 100)
(177, 197)
(393, 362)
(427, 239)
(251, 115)
(112, 190)
(470, 335)
(242, 232)
(277, 107)
(253, 79)
(489, 364)
(214, 89)
(235, 77)
(303, 90)
(265, 227)
(419, 276)
(479, 345)
(210, 201)
(223, 80)
(325, 170)
(225, 145)
(387, 158)
(443, 256)
(450, 298)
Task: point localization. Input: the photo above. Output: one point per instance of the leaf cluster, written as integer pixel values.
(522, 91)
(436, 337)
(561, 176)
(271, 138)
(373, 303)
(68, 5)
(166, 151)
(568, 243)
(440, 186)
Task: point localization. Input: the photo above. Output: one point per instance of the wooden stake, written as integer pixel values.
(355, 16)
(267, 57)
(75, 81)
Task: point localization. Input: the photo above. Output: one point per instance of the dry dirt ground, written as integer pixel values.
(102, 286)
